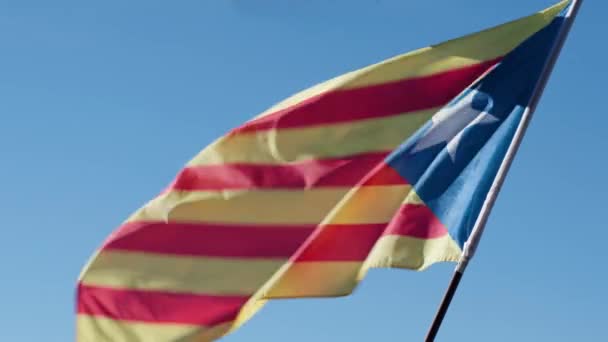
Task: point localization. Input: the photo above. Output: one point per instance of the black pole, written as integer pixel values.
(445, 304)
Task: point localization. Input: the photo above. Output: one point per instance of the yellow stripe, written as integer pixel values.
(99, 329)
(327, 141)
(412, 253)
(339, 278)
(316, 279)
(369, 205)
(291, 207)
(200, 275)
(457, 53)
(413, 198)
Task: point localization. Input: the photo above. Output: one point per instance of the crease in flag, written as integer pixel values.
(386, 166)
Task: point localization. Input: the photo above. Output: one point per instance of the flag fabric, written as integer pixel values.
(386, 166)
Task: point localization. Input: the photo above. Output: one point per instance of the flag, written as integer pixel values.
(386, 166)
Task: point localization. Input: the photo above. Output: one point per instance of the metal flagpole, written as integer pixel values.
(471, 245)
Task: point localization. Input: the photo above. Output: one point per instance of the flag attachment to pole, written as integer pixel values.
(553, 37)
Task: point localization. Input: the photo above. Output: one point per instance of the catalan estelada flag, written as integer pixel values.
(387, 166)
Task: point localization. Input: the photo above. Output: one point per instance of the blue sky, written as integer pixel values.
(103, 102)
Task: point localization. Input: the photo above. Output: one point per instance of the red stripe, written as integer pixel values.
(158, 307)
(355, 242)
(383, 174)
(372, 101)
(209, 239)
(341, 243)
(335, 242)
(416, 220)
(348, 171)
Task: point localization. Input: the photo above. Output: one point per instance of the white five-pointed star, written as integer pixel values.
(449, 123)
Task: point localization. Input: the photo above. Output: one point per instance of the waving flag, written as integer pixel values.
(386, 166)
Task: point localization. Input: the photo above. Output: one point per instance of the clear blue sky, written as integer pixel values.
(103, 102)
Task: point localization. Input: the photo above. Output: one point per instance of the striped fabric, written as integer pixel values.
(300, 201)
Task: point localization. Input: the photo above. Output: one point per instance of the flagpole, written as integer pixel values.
(471, 245)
